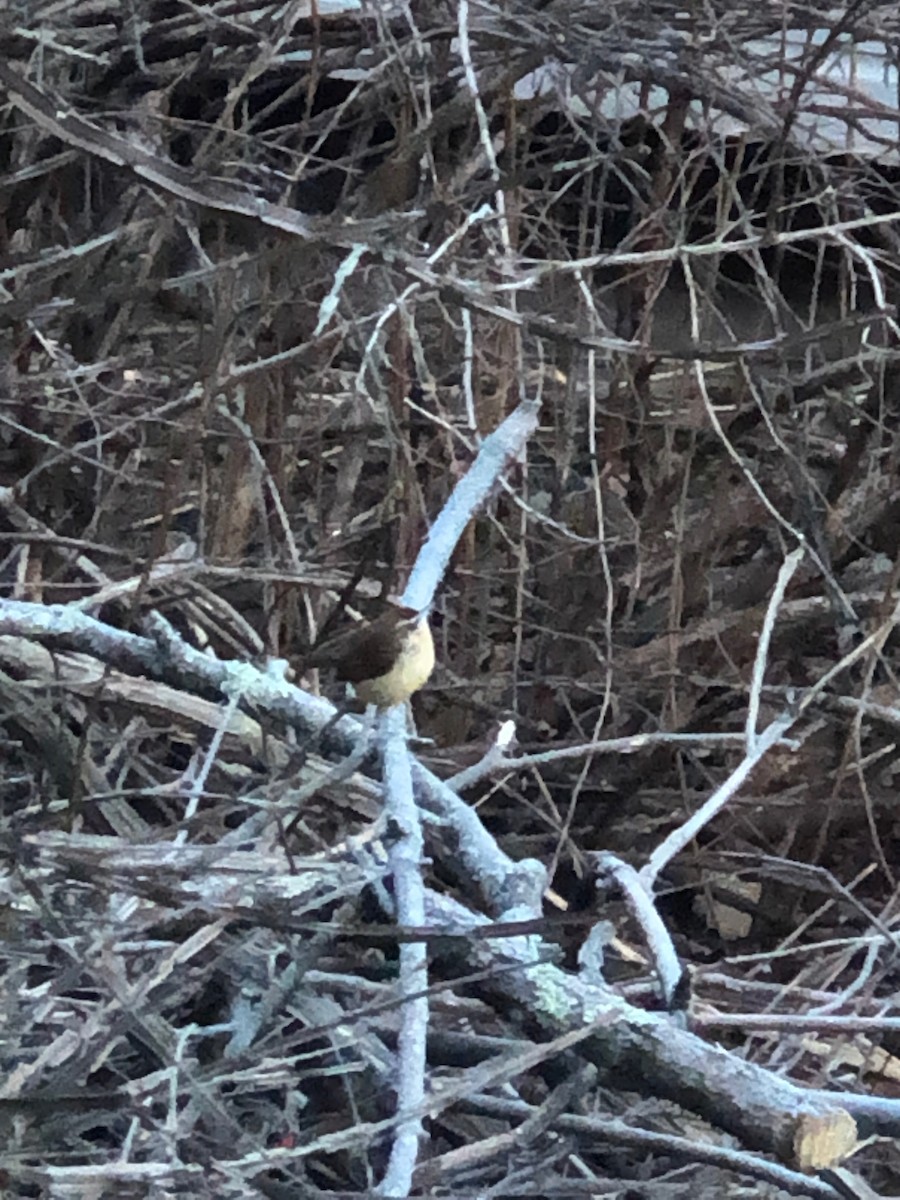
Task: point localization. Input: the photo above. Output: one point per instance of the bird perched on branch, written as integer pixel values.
(386, 660)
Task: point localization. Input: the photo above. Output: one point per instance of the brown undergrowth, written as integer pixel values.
(269, 275)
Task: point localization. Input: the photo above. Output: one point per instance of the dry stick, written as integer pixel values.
(719, 430)
(26, 523)
(681, 837)
(684, 834)
(856, 736)
(607, 580)
(499, 450)
(197, 785)
(405, 854)
(785, 575)
(182, 564)
(660, 944)
(795, 1023)
(61, 121)
(496, 760)
(640, 902)
(649, 1052)
(757, 745)
(497, 1147)
(691, 1149)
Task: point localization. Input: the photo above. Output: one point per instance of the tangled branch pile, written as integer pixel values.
(269, 275)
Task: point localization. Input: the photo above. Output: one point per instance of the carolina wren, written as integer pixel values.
(386, 660)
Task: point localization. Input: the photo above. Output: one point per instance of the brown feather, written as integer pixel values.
(366, 651)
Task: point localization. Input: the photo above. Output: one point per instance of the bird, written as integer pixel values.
(387, 660)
